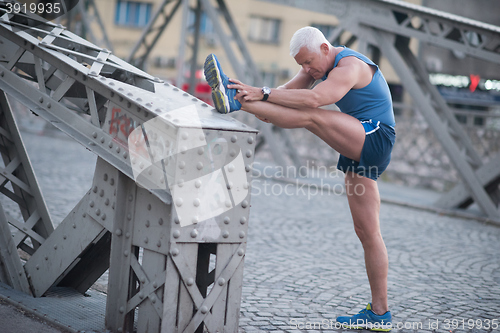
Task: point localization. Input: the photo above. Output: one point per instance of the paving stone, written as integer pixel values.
(304, 261)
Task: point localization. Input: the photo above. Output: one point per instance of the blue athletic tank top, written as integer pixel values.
(371, 102)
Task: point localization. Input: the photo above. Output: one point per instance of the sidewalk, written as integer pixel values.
(303, 264)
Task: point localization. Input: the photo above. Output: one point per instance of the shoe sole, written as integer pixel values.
(214, 80)
(220, 99)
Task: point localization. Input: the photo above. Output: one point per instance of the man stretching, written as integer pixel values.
(363, 133)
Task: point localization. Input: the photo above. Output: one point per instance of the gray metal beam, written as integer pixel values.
(84, 8)
(26, 193)
(247, 71)
(173, 176)
(11, 269)
(402, 18)
(408, 78)
(460, 196)
(387, 23)
(152, 33)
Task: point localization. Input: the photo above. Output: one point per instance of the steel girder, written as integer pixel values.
(171, 186)
(389, 24)
(245, 70)
(90, 14)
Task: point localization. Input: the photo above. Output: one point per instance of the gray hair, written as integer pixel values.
(310, 37)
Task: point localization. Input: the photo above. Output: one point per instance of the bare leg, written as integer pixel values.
(364, 202)
(340, 131)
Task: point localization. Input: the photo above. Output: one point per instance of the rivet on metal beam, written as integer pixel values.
(190, 281)
(176, 234)
(227, 219)
(244, 204)
(241, 252)
(203, 309)
(225, 234)
(243, 220)
(175, 252)
(194, 233)
(160, 221)
(242, 234)
(221, 281)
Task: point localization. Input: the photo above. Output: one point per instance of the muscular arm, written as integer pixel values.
(349, 74)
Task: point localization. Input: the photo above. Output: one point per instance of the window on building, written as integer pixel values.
(206, 25)
(133, 13)
(264, 30)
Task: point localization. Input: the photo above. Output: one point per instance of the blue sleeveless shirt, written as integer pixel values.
(373, 102)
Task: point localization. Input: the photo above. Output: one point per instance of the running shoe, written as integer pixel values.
(222, 96)
(368, 320)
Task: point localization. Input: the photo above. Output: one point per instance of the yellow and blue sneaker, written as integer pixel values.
(222, 96)
(366, 319)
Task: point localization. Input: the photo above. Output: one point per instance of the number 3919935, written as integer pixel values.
(34, 8)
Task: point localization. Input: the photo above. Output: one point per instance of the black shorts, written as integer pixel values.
(376, 153)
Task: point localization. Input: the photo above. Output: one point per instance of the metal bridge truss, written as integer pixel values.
(234, 47)
(171, 187)
(390, 25)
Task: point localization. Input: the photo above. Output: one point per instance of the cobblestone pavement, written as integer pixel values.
(304, 265)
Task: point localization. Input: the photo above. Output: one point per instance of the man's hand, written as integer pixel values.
(245, 93)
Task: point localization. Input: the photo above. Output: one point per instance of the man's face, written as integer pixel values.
(314, 63)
